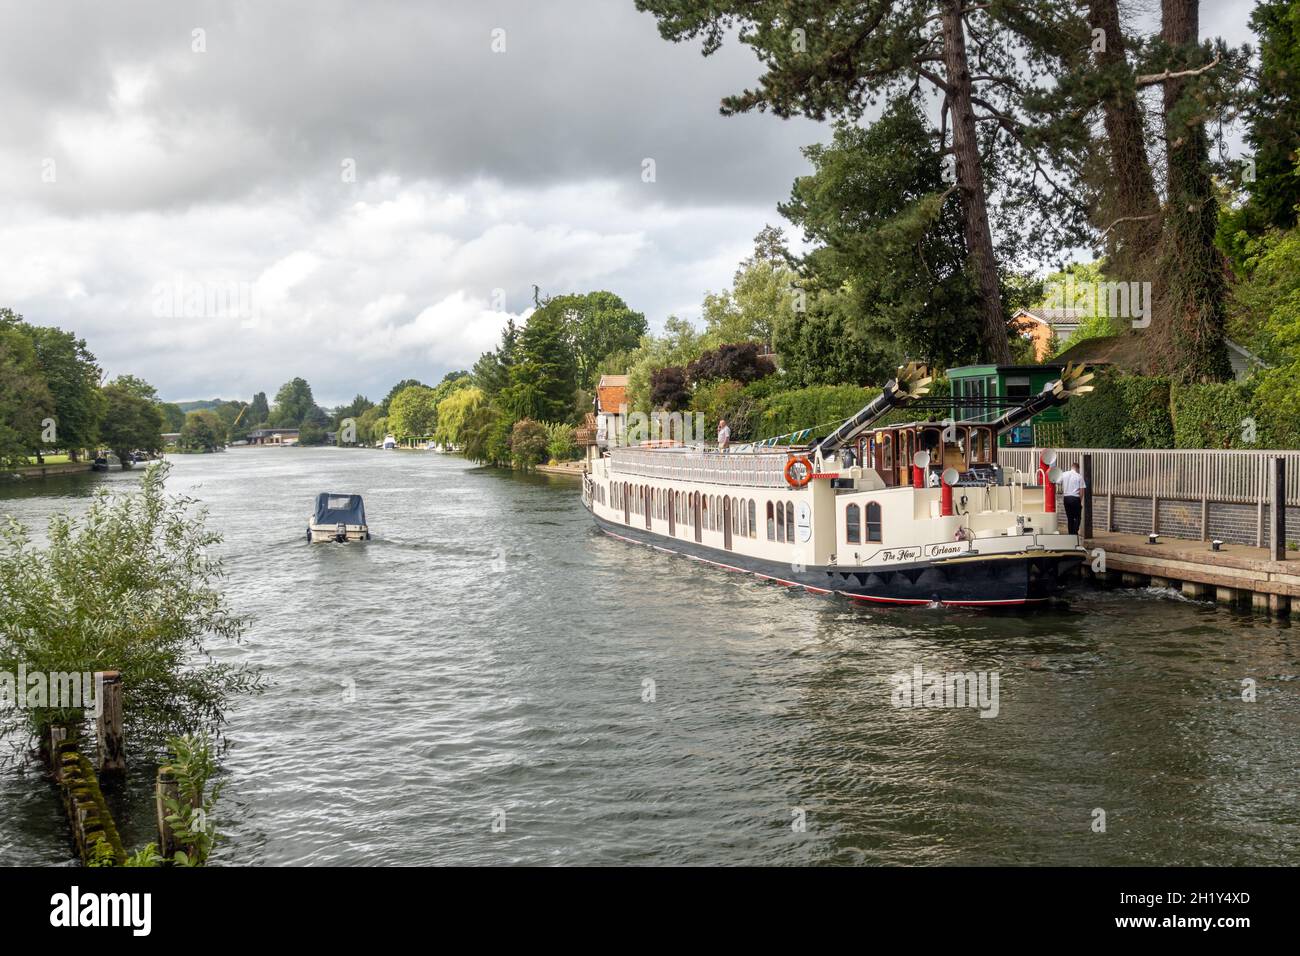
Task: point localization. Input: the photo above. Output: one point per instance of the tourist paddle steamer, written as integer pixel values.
(917, 513)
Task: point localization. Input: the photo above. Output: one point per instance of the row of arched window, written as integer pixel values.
(853, 523)
(679, 509)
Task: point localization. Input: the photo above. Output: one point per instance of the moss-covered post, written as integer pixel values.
(165, 789)
(112, 747)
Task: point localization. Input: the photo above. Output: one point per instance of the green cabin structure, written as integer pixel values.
(971, 384)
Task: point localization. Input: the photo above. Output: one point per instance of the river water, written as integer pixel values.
(491, 681)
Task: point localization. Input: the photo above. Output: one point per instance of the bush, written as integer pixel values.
(560, 443)
(130, 586)
(819, 407)
(1215, 415)
(1123, 411)
(1277, 406)
(528, 442)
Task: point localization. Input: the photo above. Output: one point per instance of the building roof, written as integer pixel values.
(1130, 350)
(611, 393)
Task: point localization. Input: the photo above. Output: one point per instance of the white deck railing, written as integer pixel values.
(705, 466)
(1184, 474)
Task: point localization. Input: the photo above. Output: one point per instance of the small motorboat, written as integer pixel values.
(389, 442)
(100, 463)
(338, 518)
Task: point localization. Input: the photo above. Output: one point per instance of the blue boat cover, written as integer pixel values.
(339, 509)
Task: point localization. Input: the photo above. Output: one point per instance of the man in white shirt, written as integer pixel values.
(1072, 489)
(724, 435)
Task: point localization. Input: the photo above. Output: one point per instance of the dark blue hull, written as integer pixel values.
(992, 581)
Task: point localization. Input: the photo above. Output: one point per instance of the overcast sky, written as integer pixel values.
(362, 192)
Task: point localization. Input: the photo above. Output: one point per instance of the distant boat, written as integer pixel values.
(389, 442)
(100, 463)
(338, 518)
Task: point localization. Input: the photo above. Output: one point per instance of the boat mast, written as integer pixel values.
(912, 382)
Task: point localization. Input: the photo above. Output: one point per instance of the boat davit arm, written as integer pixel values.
(912, 382)
(1073, 381)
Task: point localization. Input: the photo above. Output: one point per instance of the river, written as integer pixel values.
(491, 681)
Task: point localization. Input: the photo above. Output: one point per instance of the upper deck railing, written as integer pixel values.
(703, 465)
(1235, 476)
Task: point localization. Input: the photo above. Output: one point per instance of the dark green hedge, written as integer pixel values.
(1215, 415)
(1123, 411)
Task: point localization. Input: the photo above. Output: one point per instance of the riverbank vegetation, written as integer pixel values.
(133, 585)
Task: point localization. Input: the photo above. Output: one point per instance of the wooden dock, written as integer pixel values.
(1235, 575)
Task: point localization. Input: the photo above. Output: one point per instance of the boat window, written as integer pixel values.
(889, 452)
(789, 520)
(753, 524)
(771, 523)
(853, 524)
(780, 522)
(873, 522)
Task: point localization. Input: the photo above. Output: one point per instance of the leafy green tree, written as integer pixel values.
(679, 345)
(354, 410)
(203, 431)
(413, 412)
(887, 248)
(132, 585)
(370, 425)
(561, 444)
(72, 376)
(542, 380)
(599, 324)
(669, 388)
(293, 404)
(25, 401)
(1273, 114)
(454, 413)
(396, 390)
(173, 417)
(311, 433)
(492, 370)
(528, 442)
(137, 386)
(259, 413)
(131, 423)
(763, 292)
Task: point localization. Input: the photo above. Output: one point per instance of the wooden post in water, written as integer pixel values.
(1277, 537)
(1087, 497)
(112, 747)
(58, 734)
(166, 788)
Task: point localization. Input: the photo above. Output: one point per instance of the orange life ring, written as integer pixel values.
(807, 472)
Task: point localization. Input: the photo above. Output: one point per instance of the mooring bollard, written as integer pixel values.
(112, 748)
(166, 788)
